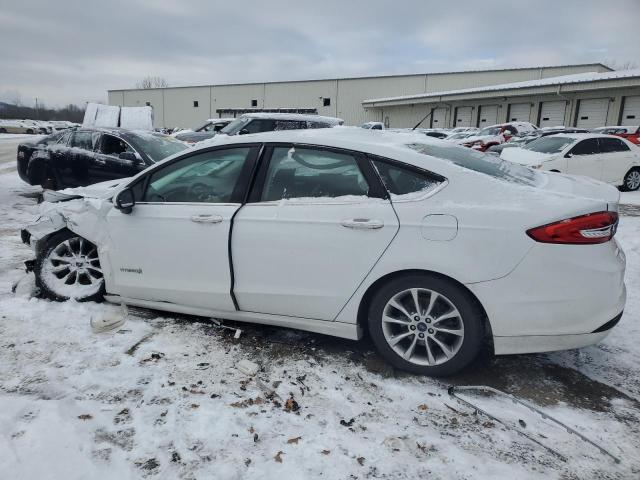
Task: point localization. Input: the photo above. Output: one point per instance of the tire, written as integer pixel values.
(463, 315)
(49, 180)
(30, 132)
(3, 130)
(631, 181)
(61, 276)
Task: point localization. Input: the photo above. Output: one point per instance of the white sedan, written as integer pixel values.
(435, 250)
(604, 157)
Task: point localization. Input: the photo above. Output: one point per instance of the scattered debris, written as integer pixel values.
(278, 457)
(326, 452)
(219, 324)
(294, 440)
(291, 405)
(175, 457)
(85, 416)
(424, 407)
(136, 345)
(522, 423)
(395, 444)
(248, 402)
(360, 461)
(347, 424)
(248, 367)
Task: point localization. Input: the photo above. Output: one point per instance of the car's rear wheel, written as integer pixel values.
(49, 181)
(3, 130)
(425, 324)
(69, 268)
(632, 180)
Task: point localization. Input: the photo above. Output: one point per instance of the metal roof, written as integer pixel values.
(535, 67)
(543, 82)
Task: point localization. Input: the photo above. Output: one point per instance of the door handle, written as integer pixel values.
(362, 223)
(206, 218)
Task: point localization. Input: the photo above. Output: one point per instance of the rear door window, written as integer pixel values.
(259, 125)
(289, 125)
(612, 145)
(312, 173)
(405, 182)
(114, 146)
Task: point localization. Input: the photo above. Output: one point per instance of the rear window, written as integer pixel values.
(549, 144)
(479, 162)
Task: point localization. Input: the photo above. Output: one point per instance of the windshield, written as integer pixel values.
(235, 126)
(158, 147)
(488, 131)
(480, 162)
(549, 144)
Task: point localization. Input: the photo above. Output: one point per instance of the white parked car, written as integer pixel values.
(373, 126)
(435, 250)
(607, 158)
(497, 134)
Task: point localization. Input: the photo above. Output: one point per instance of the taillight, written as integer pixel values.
(593, 228)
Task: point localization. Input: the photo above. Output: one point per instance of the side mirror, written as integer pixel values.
(568, 155)
(124, 201)
(244, 131)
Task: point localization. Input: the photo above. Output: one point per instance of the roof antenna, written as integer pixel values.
(425, 117)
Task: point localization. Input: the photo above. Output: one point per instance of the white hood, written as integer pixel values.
(525, 157)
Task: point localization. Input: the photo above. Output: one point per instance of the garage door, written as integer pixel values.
(592, 113)
(552, 114)
(631, 111)
(488, 115)
(519, 112)
(439, 118)
(463, 117)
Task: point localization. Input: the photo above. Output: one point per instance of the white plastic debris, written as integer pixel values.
(108, 321)
(26, 286)
(219, 324)
(395, 444)
(248, 367)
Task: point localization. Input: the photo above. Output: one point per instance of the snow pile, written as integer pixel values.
(138, 118)
(107, 116)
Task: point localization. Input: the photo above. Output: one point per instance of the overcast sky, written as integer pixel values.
(65, 51)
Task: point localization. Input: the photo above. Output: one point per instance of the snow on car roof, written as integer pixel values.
(542, 82)
(294, 116)
(627, 128)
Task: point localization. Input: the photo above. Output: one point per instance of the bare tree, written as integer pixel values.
(621, 64)
(152, 82)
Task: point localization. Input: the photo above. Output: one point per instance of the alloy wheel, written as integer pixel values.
(72, 269)
(633, 180)
(422, 326)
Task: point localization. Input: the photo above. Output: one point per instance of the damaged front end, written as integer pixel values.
(81, 210)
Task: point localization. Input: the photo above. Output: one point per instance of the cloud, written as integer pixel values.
(73, 51)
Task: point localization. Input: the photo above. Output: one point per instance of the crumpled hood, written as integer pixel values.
(97, 190)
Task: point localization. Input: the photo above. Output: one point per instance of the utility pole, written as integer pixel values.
(37, 113)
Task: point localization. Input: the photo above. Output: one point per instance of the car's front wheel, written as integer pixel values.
(632, 180)
(69, 268)
(426, 324)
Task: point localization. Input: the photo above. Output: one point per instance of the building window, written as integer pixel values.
(148, 104)
(326, 102)
(195, 104)
(254, 103)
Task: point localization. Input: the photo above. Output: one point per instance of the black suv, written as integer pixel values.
(90, 155)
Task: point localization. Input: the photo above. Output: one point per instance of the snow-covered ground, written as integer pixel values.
(162, 398)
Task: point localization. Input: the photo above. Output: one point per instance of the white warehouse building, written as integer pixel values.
(588, 95)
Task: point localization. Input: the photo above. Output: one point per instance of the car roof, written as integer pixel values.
(219, 120)
(293, 116)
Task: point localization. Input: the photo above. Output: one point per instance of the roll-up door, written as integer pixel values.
(592, 113)
(631, 111)
(552, 114)
(463, 117)
(439, 118)
(488, 115)
(519, 112)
